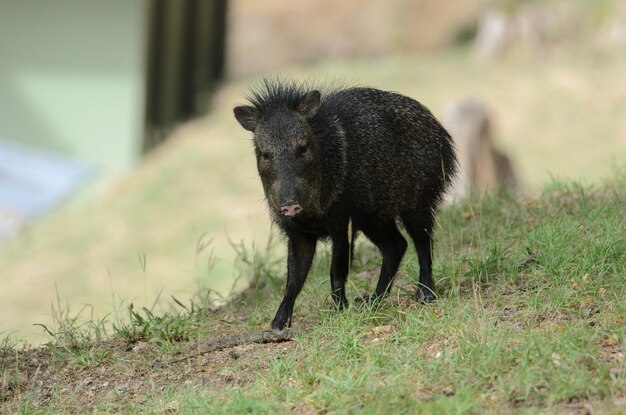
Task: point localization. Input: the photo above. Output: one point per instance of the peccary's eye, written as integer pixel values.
(265, 155)
(301, 150)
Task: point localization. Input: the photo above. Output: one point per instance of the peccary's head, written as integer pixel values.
(287, 151)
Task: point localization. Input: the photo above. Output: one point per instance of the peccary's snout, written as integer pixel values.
(289, 192)
(290, 209)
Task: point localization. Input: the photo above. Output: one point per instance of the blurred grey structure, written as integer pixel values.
(482, 167)
(498, 32)
(32, 182)
(99, 83)
(613, 34)
(494, 34)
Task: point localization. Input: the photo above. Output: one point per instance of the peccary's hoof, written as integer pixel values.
(341, 303)
(424, 295)
(280, 321)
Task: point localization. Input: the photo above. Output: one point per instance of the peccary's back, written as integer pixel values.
(399, 156)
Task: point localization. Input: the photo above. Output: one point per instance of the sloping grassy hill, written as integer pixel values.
(531, 318)
(560, 116)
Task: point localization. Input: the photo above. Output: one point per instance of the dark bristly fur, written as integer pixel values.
(357, 154)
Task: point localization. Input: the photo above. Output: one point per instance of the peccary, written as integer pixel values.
(349, 155)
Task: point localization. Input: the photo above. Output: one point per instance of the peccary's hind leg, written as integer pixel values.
(419, 225)
(339, 269)
(301, 249)
(392, 245)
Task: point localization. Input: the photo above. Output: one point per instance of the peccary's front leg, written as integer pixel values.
(301, 249)
(339, 270)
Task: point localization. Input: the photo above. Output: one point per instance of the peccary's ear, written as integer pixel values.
(310, 104)
(248, 116)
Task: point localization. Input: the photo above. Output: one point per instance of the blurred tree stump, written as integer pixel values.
(482, 167)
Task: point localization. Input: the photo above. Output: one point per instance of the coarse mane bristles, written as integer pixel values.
(277, 93)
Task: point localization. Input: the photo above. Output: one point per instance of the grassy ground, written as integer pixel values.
(558, 116)
(531, 319)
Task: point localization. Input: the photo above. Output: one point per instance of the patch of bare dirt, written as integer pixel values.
(609, 406)
(132, 373)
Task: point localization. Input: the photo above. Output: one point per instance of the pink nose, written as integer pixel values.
(291, 210)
